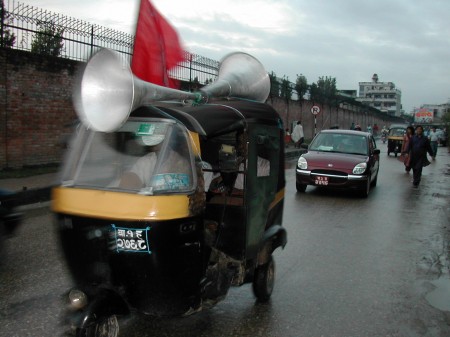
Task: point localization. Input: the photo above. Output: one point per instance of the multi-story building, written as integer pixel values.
(381, 95)
(437, 109)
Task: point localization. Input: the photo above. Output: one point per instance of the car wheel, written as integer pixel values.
(264, 280)
(300, 187)
(374, 182)
(364, 192)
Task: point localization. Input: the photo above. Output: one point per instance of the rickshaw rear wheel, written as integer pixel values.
(264, 280)
(109, 327)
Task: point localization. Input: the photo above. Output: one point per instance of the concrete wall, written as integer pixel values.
(328, 116)
(36, 109)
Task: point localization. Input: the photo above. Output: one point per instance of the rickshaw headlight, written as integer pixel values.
(360, 168)
(302, 163)
(78, 299)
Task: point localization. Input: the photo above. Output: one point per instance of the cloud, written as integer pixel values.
(403, 41)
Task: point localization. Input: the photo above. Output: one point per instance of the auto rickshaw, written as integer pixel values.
(395, 139)
(140, 228)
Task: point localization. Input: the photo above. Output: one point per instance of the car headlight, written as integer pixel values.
(360, 168)
(302, 163)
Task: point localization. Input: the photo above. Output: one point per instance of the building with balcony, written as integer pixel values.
(381, 95)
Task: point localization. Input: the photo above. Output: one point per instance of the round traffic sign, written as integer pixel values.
(315, 110)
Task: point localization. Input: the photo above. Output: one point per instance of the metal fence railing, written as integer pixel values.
(80, 39)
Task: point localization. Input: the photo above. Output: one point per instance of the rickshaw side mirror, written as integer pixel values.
(376, 151)
(228, 159)
(304, 146)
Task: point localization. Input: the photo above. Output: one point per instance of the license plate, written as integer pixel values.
(319, 180)
(132, 240)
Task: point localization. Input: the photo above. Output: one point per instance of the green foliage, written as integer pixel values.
(446, 118)
(286, 89)
(7, 39)
(274, 85)
(49, 40)
(301, 86)
(324, 91)
(314, 93)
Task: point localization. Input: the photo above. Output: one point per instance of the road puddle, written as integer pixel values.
(439, 297)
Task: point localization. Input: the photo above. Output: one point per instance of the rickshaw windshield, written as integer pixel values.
(146, 157)
(397, 132)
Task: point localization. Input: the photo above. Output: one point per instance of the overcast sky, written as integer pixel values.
(403, 41)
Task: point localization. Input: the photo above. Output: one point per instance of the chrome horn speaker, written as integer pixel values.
(107, 91)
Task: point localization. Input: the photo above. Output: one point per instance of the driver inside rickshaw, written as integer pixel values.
(143, 156)
(165, 162)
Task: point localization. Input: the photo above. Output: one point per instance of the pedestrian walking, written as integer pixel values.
(297, 135)
(406, 157)
(418, 147)
(287, 137)
(434, 138)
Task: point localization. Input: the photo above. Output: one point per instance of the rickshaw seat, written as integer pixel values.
(235, 199)
(130, 180)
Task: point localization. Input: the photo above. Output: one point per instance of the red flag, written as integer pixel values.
(157, 48)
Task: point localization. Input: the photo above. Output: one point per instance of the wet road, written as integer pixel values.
(352, 267)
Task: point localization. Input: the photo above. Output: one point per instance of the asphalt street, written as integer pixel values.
(352, 267)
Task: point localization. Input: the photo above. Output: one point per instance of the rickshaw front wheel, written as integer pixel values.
(264, 280)
(109, 327)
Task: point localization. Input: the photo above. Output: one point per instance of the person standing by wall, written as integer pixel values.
(418, 147)
(297, 135)
(433, 135)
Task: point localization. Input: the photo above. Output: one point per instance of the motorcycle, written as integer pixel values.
(139, 228)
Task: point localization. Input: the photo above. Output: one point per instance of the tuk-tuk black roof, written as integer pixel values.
(219, 117)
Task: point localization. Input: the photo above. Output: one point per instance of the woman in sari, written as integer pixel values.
(406, 156)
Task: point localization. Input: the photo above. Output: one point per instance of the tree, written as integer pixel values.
(48, 40)
(314, 93)
(327, 89)
(286, 89)
(274, 85)
(301, 86)
(7, 38)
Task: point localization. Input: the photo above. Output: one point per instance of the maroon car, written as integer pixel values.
(340, 159)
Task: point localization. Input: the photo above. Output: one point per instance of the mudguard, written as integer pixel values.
(277, 234)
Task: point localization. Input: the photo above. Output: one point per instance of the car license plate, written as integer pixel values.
(319, 180)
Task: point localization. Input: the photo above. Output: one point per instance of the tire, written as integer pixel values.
(300, 187)
(109, 327)
(364, 192)
(374, 182)
(264, 280)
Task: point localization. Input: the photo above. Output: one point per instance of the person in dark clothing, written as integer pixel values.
(417, 148)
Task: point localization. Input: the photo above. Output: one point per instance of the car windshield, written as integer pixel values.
(146, 157)
(340, 143)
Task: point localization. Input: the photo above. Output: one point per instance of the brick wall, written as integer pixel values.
(328, 116)
(35, 108)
